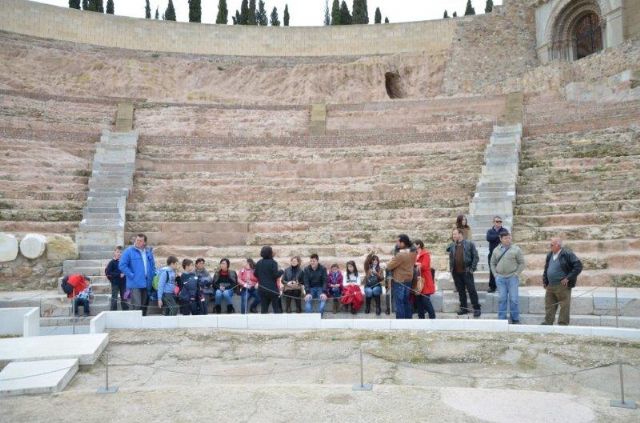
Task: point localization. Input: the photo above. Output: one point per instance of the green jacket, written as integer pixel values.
(512, 264)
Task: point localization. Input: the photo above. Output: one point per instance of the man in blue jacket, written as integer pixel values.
(138, 265)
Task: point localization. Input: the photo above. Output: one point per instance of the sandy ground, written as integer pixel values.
(188, 375)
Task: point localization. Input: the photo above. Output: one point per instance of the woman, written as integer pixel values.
(224, 282)
(351, 293)
(372, 283)
(423, 299)
(292, 286)
(463, 226)
(334, 286)
(248, 283)
(268, 274)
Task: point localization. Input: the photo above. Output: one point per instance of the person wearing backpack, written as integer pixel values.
(372, 283)
(117, 280)
(507, 263)
(167, 299)
(190, 292)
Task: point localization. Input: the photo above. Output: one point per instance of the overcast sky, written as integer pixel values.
(303, 12)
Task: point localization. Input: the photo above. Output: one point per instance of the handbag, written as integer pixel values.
(418, 282)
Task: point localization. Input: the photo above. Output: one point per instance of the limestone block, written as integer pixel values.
(60, 248)
(32, 246)
(37, 377)
(8, 247)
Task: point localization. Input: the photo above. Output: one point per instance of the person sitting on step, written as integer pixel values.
(248, 283)
(292, 286)
(314, 278)
(351, 293)
(225, 281)
(373, 283)
(205, 280)
(334, 286)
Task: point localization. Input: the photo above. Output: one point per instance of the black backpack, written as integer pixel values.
(66, 287)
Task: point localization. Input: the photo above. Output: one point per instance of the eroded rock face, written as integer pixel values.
(32, 246)
(8, 247)
(60, 248)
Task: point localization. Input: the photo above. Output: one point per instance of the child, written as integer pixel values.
(248, 281)
(82, 293)
(351, 293)
(205, 280)
(118, 281)
(167, 287)
(190, 293)
(334, 286)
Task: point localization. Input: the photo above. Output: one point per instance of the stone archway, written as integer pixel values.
(577, 30)
(587, 33)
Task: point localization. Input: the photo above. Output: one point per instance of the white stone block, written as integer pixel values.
(304, 321)
(37, 377)
(8, 247)
(31, 322)
(233, 321)
(266, 321)
(529, 329)
(372, 324)
(625, 333)
(86, 348)
(484, 325)
(572, 330)
(124, 319)
(99, 323)
(159, 322)
(198, 321)
(32, 246)
(336, 323)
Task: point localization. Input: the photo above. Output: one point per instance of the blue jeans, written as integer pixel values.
(376, 291)
(247, 294)
(315, 294)
(227, 294)
(508, 291)
(401, 291)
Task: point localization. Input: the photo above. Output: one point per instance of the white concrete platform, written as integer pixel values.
(37, 377)
(20, 321)
(85, 348)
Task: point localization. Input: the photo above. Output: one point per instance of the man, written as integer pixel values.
(493, 237)
(463, 261)
(561, 271)
(314, 278)
(138, 265)
(507, 263)
(402, 265)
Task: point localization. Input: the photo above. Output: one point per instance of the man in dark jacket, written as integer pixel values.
(463, 261)
(314, 278)
(493, 237)
(267, 273)
(561, 270)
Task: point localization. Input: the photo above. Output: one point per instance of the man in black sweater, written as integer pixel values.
(314, 278)
(267, 273)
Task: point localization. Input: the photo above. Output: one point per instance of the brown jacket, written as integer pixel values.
(402, 265)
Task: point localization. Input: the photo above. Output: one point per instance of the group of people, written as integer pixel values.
(407, 280)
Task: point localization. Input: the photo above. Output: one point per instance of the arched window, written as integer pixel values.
(588, 35)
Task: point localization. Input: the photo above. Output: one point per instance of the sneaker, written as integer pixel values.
(515, 322)
(462, 312)
(476, 313)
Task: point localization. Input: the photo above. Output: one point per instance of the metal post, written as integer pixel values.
(106, 389)
(362, 386)
(622, 403)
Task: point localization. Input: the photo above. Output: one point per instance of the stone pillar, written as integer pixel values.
(613, 31)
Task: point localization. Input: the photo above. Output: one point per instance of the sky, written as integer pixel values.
(303, 12)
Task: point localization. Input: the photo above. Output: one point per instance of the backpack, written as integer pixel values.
(67, 288)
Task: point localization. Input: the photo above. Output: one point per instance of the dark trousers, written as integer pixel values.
(424, 304)
(268, 297)
(118, 288)
(464, 282)
(140, 300)
(297, 297)
(492, 279)
(169, 305)
(84, 302)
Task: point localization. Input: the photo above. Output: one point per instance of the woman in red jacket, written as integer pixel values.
(428, 287)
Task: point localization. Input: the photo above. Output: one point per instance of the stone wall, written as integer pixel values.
(30, 18)
(632, 18)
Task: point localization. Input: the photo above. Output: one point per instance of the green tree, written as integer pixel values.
(455, 14)
(157, 12)
(285, 16)
(111, 9)
(386, 19)
(261, 14)
(345, 16)
(223, 12)
(446, 14)
(327, 14)
(335, 13)
(469, 10)
(95, 6)
(244, 13)
(275, 21)
(147, 10)
(360, 12)
(378, 16)
(489, 7)
(251, 15)
(85, 4)
(74, 4)
(195, 11)
(170, 12)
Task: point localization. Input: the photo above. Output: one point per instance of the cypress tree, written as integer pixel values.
(469, 10)
(489, 7)
(251, 15)
(110, 7)
(236, 18)
(446, 14)
(261, 14)
(364, 12)
(285, 16)
(378, 16)
(195, 11)
(356, 9)
(147, 10)
(243, 18)
(74, 4)
(85, 4)
(170, 12)
(386, 19)
(335, 13)
(327, 15)
(223, 12)
(157, 12)
(345, 16)
(275, 21)
(455, 14)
